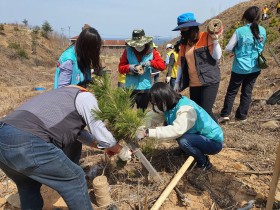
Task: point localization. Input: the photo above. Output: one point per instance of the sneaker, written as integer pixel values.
(207, 165)
(223, 119)
(241, 120)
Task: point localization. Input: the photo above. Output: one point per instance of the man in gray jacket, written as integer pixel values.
(33, 137)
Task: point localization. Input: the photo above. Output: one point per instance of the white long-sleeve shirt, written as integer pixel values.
(232, 42)
(85, 103)
(185, 120)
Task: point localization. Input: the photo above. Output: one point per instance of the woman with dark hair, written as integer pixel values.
(245, 43)
(197, 134)
(73, 67)
(198, 63)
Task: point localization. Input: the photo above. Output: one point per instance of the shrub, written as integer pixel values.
(22, 53)
(14, 45)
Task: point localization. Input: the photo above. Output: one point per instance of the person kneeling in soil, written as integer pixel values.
(33, 138)
(197, 134)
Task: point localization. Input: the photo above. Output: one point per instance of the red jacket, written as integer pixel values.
(156, 63)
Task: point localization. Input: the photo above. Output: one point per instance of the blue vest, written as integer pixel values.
(139, 82)
(204, 124)
(77, 75)
(246, 50)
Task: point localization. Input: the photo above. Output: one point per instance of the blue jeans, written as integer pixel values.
(30, 162)
(197, 146)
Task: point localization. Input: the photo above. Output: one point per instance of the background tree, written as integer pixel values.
(25, 22)
(34, 36)
(46, 28)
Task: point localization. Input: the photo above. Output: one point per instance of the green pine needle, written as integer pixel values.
(115, 109)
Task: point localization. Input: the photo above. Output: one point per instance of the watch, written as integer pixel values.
(147, 132)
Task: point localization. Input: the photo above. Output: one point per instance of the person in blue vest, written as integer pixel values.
(197, 134)
(75, 64)
(245, 44)
(74, 68)
(137, 62)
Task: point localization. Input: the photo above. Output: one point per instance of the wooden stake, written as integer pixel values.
(173, 183)
(274, 181)
(250, 172)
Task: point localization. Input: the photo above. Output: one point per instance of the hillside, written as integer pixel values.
(241, 172)
(231, 19)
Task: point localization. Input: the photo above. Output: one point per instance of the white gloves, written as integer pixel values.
(125, 154)
(176, 87)
(168, 78)
(140, 133)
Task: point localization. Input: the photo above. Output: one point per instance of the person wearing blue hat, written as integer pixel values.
(198, 62)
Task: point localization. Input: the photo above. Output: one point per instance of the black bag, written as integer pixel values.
(262, 61)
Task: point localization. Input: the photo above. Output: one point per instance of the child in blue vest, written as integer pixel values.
(197, 134)
(245, 43)
(75, 64)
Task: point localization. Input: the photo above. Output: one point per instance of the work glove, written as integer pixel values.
(176, 87)
(125, 154)
(146, 64)
(168, 78)
(110, 153)
(133, 69)
(140, 133)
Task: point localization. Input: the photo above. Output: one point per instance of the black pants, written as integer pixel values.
(141, 98)
(205, 97)
(74, 151)
(236, 80)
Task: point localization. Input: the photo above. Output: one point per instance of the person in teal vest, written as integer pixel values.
(74, 68)
(197, 134)
(75, 64)
(245, 44)
(137, 62)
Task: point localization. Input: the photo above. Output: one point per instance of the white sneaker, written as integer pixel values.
(223, 119)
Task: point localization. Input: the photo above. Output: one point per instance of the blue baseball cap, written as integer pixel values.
(186, 20)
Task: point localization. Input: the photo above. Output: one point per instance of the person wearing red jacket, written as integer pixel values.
(137, 62)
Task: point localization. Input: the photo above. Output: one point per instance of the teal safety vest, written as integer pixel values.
(139, 82)
(77, 75)
(204, 124)
(246, 50)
